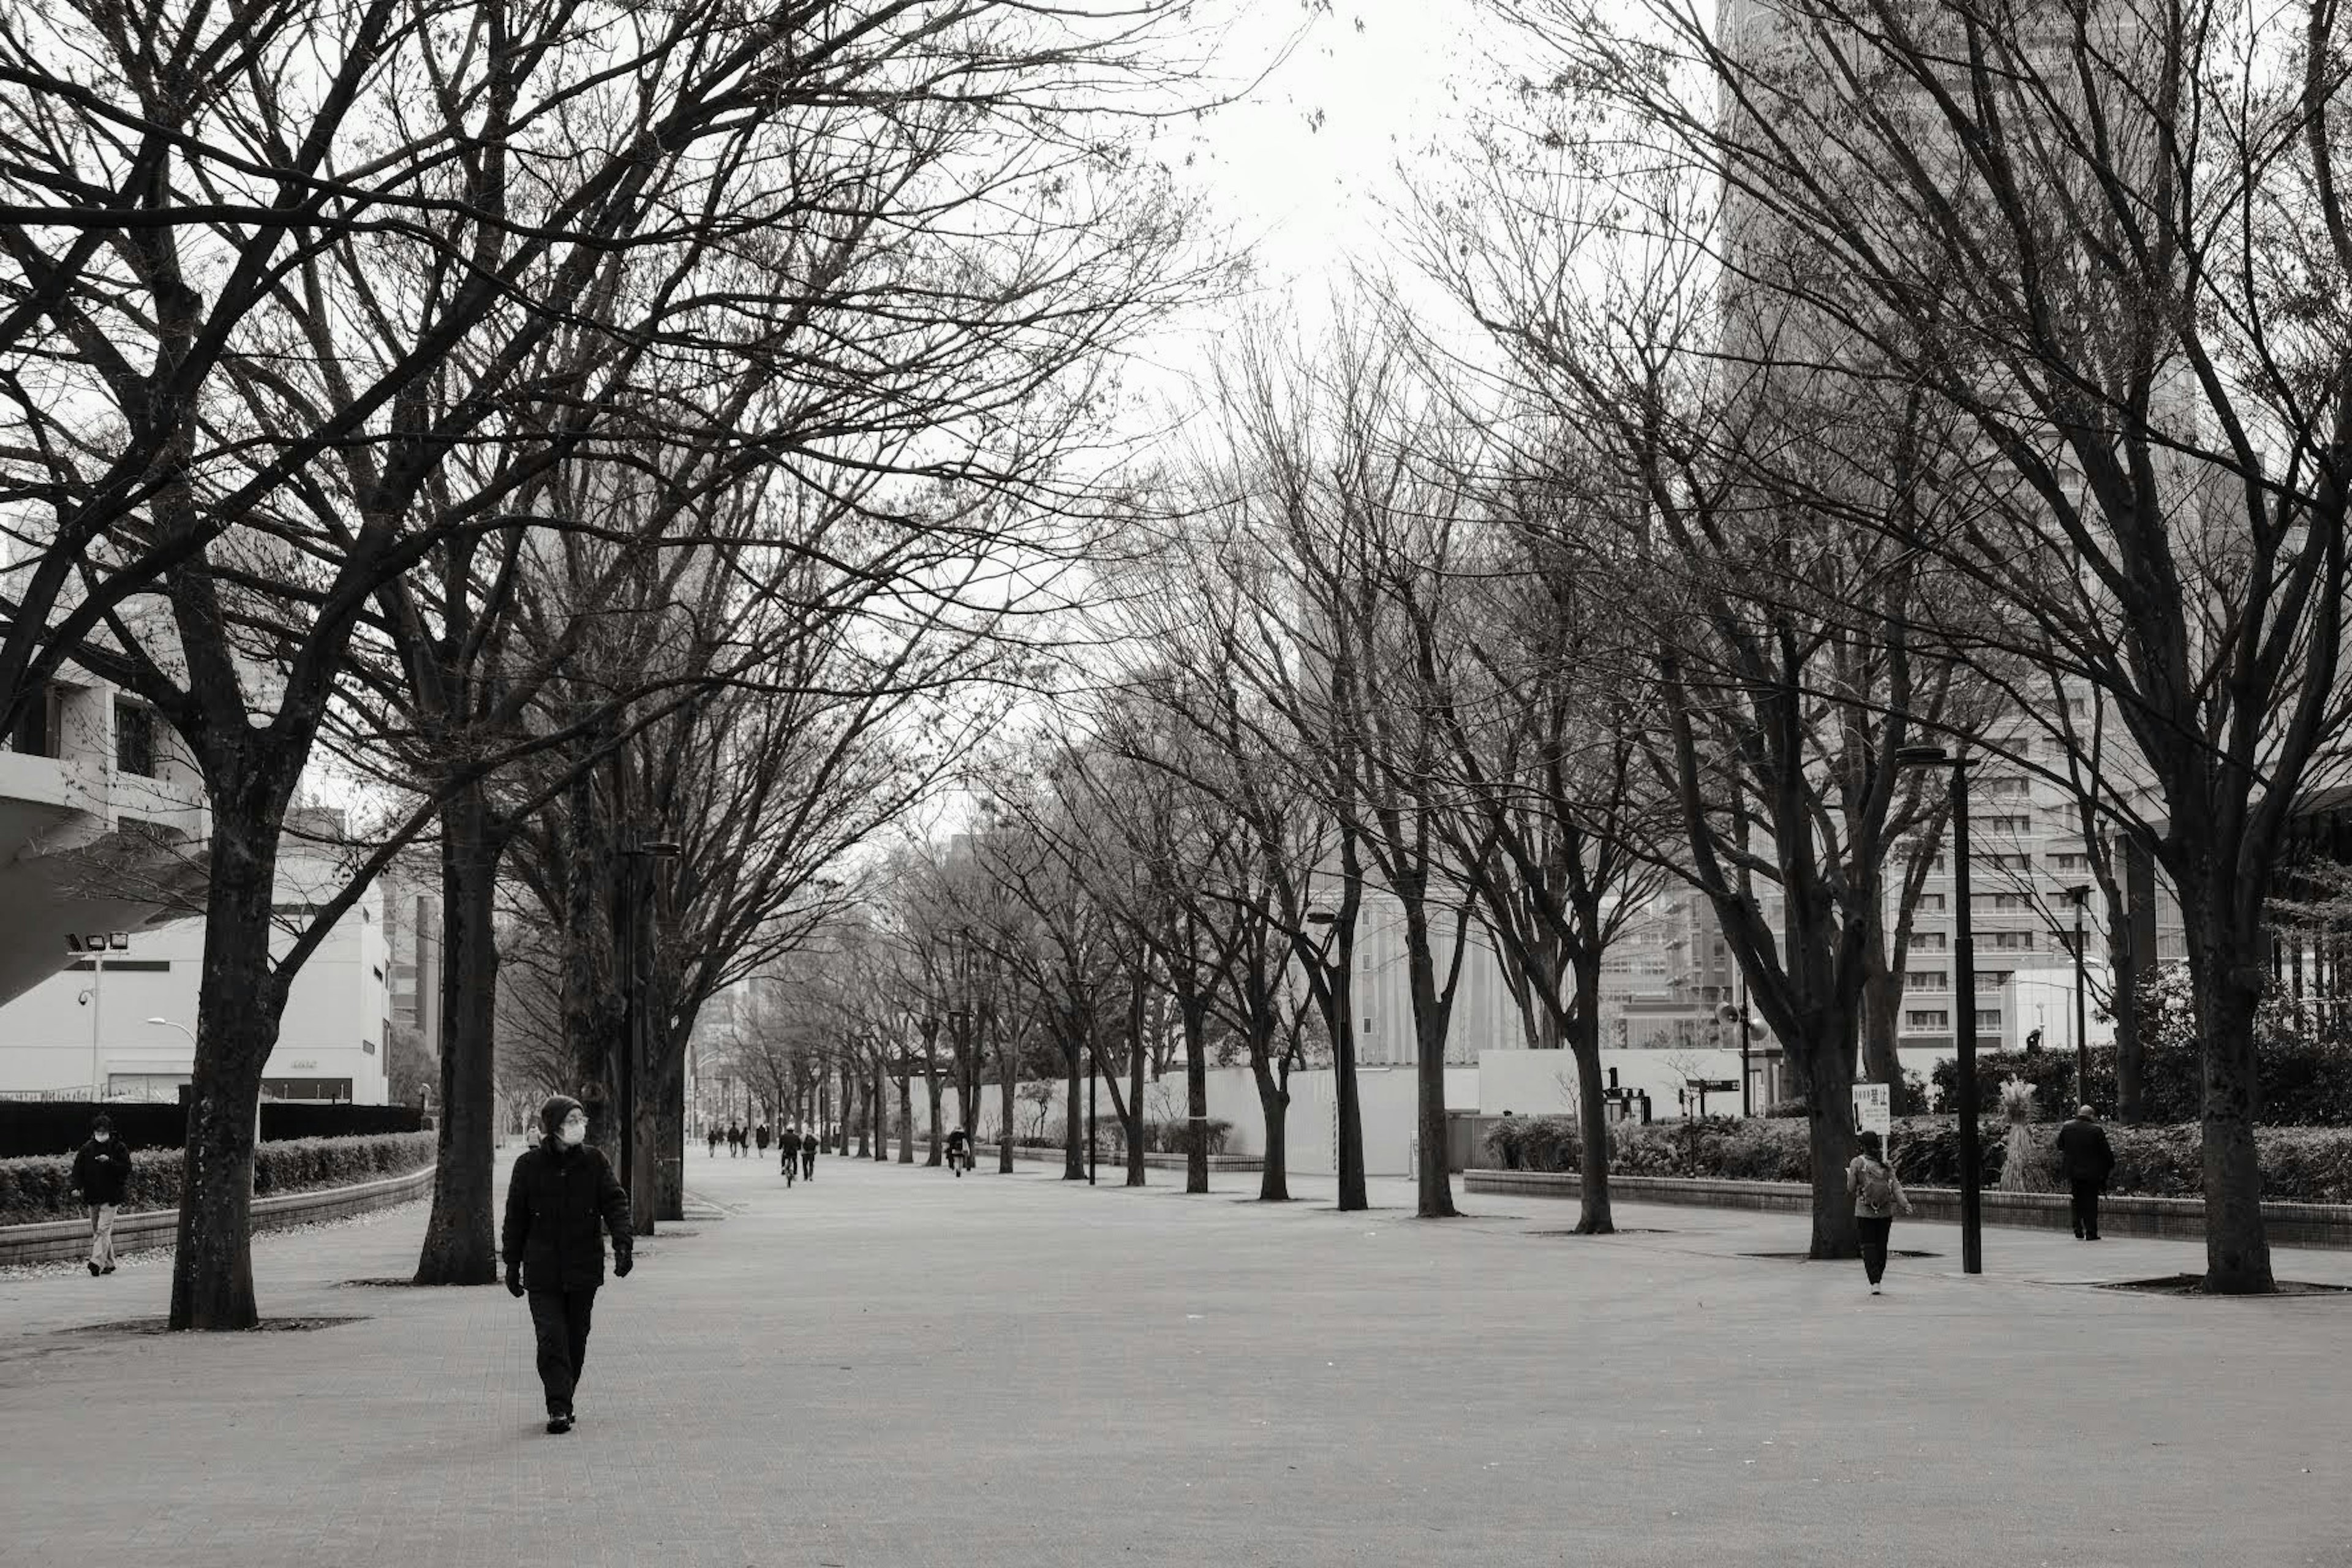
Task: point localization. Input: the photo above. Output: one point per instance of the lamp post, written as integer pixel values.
(2080, 895)
(1964, 983)
(636, 1042)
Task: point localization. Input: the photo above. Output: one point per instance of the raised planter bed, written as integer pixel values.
(1154, 1162)
(2177, 1219)
(50, 1240)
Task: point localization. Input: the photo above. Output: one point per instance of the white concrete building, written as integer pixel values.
(90, 1023)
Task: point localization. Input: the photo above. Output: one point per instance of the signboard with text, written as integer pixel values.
(1873, 1108)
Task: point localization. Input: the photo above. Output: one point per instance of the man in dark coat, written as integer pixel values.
(559, 1194)
(759, 1136)
(101, 1174)
(2085, 1161)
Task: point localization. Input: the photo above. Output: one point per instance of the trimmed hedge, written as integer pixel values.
(41, 1187)
(2300, 1164)
(1173, 1135)
(61, 1126)
(2298, 1083)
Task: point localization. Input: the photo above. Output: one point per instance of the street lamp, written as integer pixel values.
(636, 1046)
(1964, 984)
(2080, 895)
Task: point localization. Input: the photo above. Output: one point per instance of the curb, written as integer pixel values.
(47, 1241)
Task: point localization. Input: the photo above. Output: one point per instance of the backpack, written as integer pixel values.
(1877, 1187)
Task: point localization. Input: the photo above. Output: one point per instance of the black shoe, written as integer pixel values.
(107, 1270)
(95, 1271)
(558, 1425)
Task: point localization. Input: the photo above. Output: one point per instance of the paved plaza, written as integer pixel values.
(893, 1367)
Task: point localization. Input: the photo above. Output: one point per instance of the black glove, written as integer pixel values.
(624, 1259)
(514, 1278)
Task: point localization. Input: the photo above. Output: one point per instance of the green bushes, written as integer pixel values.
(2298, 1082)
(41, 1187)
(1173, 1136)
(2300, 1164)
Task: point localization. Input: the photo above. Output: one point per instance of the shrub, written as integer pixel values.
(1785, 1109)
(1173, 1135)
(60, 1126)
(41, 1187)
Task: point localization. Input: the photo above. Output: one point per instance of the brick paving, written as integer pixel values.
(891, 1367)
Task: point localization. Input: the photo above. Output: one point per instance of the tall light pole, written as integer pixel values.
(1964, 978)
(2081, 895)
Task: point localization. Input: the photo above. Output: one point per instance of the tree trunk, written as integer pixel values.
(1595, 1215)
(932, 1084)
(1074, 1165)
(460, 1238)
(670, 1136)
(1881, 1010)
(907, 1120)
(1007, 1065)
(1196, 1100)
(864, 1121)
(1829, 1092)
(237, 1007)
(1274, 1105)
(2131, 925)
(1431, 1016)
(2225, 963)
(881, 1109)
(1133, 1118)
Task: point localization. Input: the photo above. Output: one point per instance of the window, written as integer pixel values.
(1928, 1020)
(134, 739)
(2002, 788)
(313, 1088)
(2011, 824)
(35, 733)
(1992, 979)
(1928, 941)
(2008, 901)
(2010, 941)
(1931, 903)
(2080, 863)
(1987, 1018)
(1926, 980)
(1368, 1024)
(2011, 862)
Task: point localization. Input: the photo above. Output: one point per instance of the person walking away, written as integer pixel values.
(761, 1136)
(1877, 1197)
(735, 1139)
(714, 1136)
(101, 1174)
(559, 1194)
(2085, 1158)
(957, 1144)
(808, 1152)
(789, 1142)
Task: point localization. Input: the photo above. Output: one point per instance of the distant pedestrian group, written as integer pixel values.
(799, 1148)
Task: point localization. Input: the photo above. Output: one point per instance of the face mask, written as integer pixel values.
(102, 1137)
(572, 1133)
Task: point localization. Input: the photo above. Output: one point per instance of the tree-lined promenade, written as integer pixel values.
(678, 465)
(1413, 1397)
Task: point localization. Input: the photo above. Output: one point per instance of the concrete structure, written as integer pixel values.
(102, 822)
(90, 1024)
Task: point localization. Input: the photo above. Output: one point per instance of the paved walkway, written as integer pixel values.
(891, 1367)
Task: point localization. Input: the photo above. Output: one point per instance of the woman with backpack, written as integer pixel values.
(1877, 1196)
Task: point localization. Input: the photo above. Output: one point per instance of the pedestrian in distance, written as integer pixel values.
(761, 1136)
(789, 1142)
(959, 1150)
(560, 1194)
(808, 1152)
(101, 1174)
(714, 1136)
(735, 1139)
(2085, 1158)
(1877, 1196)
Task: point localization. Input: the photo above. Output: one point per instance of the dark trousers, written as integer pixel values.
(1873, 1243)
(2087, 1209)
(560, 1320)
(808, 1163)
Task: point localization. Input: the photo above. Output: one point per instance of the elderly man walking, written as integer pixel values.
(559, 1194)
(2085, 1160)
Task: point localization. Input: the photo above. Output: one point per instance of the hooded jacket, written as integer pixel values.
(556, 1199)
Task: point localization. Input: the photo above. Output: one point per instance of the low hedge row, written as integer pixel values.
(2300, 1164)
(41, 1187)
(2298, 1083)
